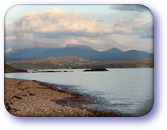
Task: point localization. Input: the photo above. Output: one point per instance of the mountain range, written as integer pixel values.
(39, 51)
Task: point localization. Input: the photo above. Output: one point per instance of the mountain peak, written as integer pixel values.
(79, 46)
(114, 50)
(15, 49)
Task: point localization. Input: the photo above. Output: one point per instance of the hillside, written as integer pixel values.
(144, 63)
(51, 62)
(77, 62)
(10, 69)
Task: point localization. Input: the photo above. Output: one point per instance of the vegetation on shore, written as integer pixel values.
(10, 69)
(77, 63)
(144, 63)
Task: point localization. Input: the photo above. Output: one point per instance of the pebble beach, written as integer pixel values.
(25, 98)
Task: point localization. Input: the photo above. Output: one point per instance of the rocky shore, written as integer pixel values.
(37, 99)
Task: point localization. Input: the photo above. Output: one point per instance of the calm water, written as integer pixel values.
(126, 91)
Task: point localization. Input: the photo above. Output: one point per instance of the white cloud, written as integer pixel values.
(58, 21)
(57, 26)
(10, 37)
(132, 27)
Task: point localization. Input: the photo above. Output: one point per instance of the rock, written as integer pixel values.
(96, 69)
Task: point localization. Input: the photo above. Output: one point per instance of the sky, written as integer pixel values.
(101, 27)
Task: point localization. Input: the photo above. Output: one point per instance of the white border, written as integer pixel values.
(156, 120)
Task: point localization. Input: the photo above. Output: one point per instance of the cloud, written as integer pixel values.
(134, 27)
(53, 26)
(72, 41)
(129, 23)
(124, 43)
(10, 37)
(57, 26)
(57, 22)
(122, 30)
(64, 34)
(26, 36)
(144, 30)
(129, 7)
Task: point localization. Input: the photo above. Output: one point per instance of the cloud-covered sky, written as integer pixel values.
(99, 26)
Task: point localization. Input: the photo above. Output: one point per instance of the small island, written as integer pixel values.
(96, 69)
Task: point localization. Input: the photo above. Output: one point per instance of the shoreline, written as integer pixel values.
(31, 98)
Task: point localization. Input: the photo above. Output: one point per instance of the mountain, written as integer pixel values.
(77, 62)
(34, 45)
(113, 51)
(78, 46)
(15, 49)
(26, 53)
(85, 52)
